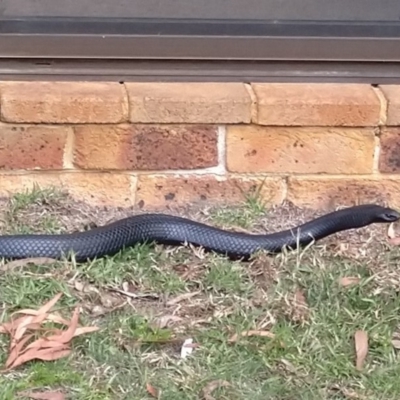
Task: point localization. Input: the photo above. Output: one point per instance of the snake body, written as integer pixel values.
(171, 230)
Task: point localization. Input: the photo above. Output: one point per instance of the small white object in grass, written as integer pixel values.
(187, 348)
(391, 232)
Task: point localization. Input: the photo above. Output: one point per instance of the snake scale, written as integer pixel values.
(165, 229)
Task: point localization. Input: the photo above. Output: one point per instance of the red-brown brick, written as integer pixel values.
(392, 95)
(159, 191)
(311, 104)
(256, 149)
(145, 147)
(389, 159)
(32, 147)
(63, 102)
(332, 191)
(99, 189)
(195, 102)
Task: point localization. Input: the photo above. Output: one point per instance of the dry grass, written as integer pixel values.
(148, 300)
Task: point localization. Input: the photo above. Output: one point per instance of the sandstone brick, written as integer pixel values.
(389, 159)
(32, 147)
(317, 104)
(99, 189)
(255, 149)
(159, 191)
(392, 95)
(326, 192)
(145, 147)
(63, 102)
(164, 102)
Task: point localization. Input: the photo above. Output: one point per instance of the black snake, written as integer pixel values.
(171, 230)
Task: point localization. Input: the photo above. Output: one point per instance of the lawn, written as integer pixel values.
(149, 299)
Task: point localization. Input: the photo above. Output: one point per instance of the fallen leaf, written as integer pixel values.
(136, 295)
(46, 348)
(79, 286)
(349, 280)
(43, 395)
(128, 287)
(300, 299)
(50, 304)
(347, 393)
(396, 344)
(288, 366)
(44, 355)
(9, 327)
(69, 333)
(189, 274)
(84, 287)
(26, 261)
(361, 345)
(16, 349)
(165, 320)
(110, 301)
(49, 317)
(211, 386)
(351, 394)
(85, 329)
(44, 343)
(181, 297)
(53, 355)
(22, 327)
(300, 309)
(97, 311)
(235, 337)
(39, 318)
(152, 390)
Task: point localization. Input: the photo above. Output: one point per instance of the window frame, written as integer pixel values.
(239, 49)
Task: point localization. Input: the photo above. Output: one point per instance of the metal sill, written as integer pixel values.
(199, 40)
(199, 71)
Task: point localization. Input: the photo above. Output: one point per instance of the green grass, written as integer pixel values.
(40, 201)
(311, 357)
(243, 216)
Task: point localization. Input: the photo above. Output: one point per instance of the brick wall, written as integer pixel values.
(155, 144)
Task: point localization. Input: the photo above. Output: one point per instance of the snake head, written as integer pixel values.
(388, 215)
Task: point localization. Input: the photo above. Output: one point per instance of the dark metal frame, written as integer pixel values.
(144, 49)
